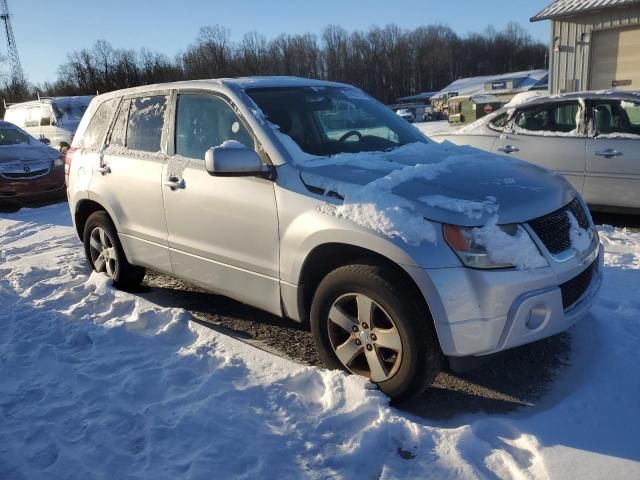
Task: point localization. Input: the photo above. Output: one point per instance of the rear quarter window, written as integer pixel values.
(96, 131)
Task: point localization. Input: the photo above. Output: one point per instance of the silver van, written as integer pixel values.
(51, 120)
(313, 201)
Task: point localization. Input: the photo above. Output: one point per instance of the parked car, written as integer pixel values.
(29, 170)
(51, 120)
(430, 114)
(387, 244)
(592, 138)
(406, 114)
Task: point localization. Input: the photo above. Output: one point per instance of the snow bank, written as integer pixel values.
(98, 383)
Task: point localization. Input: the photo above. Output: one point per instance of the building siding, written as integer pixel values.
(569, 67)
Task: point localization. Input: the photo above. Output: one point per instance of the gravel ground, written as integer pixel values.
(516, 378)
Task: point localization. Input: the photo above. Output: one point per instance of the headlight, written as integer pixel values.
(494, 246)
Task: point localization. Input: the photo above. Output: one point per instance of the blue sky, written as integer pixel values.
(47, 30)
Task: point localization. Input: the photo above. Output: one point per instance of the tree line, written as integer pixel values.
(387, 62)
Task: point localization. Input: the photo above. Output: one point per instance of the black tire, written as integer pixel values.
(124, 275)
(421, 358)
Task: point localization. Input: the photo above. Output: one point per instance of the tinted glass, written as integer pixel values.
(616, 117)
(96, 131)
(558, 118)
(205, 121)
(330, 120)
(11, 136)
(146, 121)
(500, 121)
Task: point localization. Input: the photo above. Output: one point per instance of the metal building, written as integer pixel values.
(595, 44)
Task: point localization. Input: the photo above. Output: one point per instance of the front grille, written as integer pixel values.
(553, 229)
(24, 175)
(575, 288)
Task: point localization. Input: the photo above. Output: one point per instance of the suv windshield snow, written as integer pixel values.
(326, 121)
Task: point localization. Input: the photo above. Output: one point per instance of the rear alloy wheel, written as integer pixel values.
(365, 320)
(104, 257)
(105, 254)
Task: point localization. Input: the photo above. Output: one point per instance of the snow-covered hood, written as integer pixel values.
(444, 183)
(27, 153)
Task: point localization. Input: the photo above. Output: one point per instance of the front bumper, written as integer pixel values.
(480, 312)
(44, 187)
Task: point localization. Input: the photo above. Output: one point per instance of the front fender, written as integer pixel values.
(313, 228)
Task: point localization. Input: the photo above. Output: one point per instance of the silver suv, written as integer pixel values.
(312, 201)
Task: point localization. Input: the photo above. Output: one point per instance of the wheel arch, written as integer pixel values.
(83, 210)
(326, 257)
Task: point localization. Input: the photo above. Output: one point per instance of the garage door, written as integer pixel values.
(615, 59)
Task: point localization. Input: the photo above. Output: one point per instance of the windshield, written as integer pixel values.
(11, 136)
(69, 112)
(326, 121)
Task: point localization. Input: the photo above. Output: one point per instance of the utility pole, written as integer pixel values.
(17, 76)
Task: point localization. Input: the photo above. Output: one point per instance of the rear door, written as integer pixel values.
(551, 135)
(128, 176)
(613, 154)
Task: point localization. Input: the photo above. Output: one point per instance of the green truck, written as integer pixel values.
(469, 108)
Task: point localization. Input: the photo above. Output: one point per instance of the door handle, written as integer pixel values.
(609, 153)
(508, 149)
(174, 183)
(104, 170)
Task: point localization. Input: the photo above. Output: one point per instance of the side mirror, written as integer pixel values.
(233, 160)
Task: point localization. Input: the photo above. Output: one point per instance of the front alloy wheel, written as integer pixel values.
(369, 320)
(364, 337)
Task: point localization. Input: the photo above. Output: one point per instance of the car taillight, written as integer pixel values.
(67, 164)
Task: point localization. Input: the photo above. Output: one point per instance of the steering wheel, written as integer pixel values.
(350, 133)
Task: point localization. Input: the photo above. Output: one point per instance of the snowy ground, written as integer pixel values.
(98, 383)
(429, 128)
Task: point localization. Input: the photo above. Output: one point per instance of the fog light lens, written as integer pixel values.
(537, 316)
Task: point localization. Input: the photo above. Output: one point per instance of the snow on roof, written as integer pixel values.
(277, 81)
(475, 85)
(479, 98)
(240, 83)
(417, 96)
(565, 8)
(61, 101)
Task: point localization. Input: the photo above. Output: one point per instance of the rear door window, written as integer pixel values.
(96, 131)
(205, 121)
(146, 122)
(615, 118)
(551, 119)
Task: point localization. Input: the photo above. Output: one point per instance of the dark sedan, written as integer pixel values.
(29, 169)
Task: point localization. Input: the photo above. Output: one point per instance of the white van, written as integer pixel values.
(51, 120)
